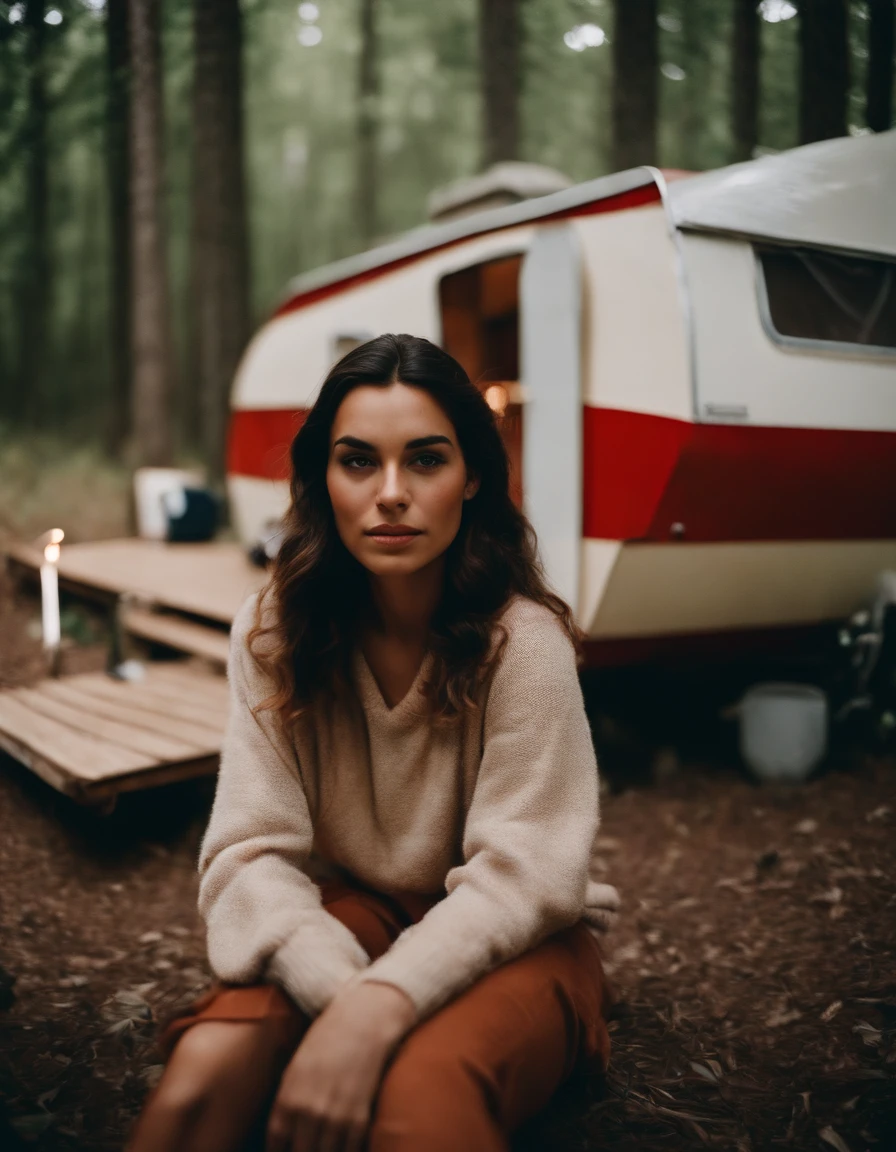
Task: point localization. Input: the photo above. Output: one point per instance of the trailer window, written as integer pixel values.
(826, 298)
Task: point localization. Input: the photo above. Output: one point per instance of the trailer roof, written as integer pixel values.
(834, 194)
(432, 236)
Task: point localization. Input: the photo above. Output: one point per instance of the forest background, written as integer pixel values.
(166, 166)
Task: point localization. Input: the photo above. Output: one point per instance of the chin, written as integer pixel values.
(393, 565)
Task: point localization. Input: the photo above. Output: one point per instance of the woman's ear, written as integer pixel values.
(471, 488)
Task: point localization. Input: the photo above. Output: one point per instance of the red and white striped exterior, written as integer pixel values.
(730, 484)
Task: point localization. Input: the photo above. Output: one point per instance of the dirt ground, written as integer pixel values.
(755, 964)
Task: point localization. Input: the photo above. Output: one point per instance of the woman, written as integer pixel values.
(395, 875)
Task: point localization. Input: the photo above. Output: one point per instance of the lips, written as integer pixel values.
(393, 530)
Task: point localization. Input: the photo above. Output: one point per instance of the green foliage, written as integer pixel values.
(779, 85)
(566, 94)
(695, 48)
(301, 126)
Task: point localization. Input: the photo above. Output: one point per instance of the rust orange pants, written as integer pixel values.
(480, 1066)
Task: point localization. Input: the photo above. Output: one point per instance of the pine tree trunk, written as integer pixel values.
(745, 79)
(824, 69)
(368, 125)
(635, 83)
(151, 331)
(220, 278)
(499, 69)
(879, 92)
(35, 290)
(117, 180)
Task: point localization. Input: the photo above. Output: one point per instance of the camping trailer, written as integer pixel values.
(695, 379)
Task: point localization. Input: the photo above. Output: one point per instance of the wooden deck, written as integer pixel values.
(93, 737)
(206, 580)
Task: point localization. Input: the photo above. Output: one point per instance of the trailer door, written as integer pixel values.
(551, 374)
(479, 309)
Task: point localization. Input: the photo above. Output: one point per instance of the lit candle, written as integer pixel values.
(49, 591)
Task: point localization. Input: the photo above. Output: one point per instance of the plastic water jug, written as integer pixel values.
(150, 487)
(783, 730)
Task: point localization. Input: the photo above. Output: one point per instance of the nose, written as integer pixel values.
(393, 491)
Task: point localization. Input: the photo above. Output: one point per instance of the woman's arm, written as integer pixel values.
(263, 913)
(529, 830)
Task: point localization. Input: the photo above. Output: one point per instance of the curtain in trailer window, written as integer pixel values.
(830, 298)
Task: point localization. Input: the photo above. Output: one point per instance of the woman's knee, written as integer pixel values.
(221, 1064)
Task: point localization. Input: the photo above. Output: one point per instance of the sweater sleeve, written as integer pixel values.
(529, 828)
(263, 913)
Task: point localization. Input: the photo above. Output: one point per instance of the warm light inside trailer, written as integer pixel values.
(497, 398)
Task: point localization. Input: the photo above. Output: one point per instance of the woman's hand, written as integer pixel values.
(325, 1096)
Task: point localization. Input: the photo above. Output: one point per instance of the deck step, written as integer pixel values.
(178, 633)
(93, 737)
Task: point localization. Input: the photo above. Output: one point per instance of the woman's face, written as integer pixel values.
(396, 478)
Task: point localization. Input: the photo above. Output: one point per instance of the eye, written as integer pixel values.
(429, 460)
(356, 463)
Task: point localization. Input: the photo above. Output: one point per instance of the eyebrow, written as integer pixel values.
(421, 442)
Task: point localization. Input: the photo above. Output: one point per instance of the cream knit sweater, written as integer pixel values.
(499, 809)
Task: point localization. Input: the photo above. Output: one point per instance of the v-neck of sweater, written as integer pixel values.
(407, 711)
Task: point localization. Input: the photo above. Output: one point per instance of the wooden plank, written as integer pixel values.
(75, 753)
(184, 635)
(209, 697)
(203, 736)
(49, 772)
(93, 792)
(181, 681)
(208, 580)
(194, 678)
(192, 672)
(157, 710)
(183, 675)
(125, 734)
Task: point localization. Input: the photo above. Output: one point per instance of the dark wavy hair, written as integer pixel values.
(318, 590)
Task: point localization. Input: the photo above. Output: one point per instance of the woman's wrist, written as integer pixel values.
(381, 1010)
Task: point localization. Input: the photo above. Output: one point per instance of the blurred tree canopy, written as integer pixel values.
(352, 112)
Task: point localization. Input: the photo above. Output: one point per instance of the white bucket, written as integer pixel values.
(151, 485)
(783, 730)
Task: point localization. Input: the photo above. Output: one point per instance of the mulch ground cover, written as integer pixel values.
(755, 964)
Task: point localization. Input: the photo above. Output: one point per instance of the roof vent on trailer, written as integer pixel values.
(506, 183)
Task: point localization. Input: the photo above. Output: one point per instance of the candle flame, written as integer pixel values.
(51, 541)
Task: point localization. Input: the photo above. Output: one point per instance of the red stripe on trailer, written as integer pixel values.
(636, 198)
(645, 473)
(259, 440)
(628, 458)
(747, 483)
